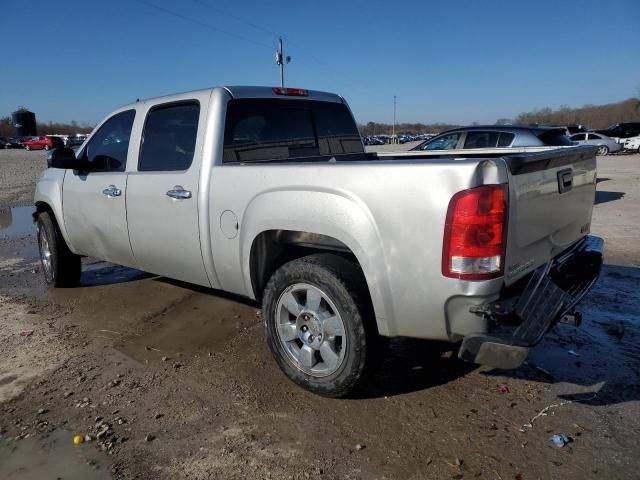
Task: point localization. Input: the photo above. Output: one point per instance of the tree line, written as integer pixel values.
(60, 128)
(591, 116)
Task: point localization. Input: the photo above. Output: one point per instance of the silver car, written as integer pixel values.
(492, 136)
(605, 144)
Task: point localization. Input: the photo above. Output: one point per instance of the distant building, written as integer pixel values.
(24, 122)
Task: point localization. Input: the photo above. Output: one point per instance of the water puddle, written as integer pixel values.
(50, 456)
(16, 222)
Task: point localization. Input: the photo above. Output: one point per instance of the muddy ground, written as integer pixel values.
(178, 383)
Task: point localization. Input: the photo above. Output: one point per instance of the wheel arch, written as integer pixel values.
(283, 225)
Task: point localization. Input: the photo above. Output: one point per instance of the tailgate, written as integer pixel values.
(551, 198)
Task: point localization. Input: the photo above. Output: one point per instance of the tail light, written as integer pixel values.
(474, 233)
(291, 92)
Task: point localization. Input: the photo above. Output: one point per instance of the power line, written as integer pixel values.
(341, 78)
(203, 24)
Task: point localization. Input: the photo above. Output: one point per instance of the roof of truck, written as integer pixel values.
(244, 91)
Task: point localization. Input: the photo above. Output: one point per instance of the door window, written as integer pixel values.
(107, 149)
(448, 141)
(593, 136)
(578, 137)
(169, 137)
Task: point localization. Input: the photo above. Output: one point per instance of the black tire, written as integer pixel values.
(603, 150)
(64, 267)
(344, 283)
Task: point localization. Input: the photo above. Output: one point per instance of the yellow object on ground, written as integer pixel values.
(78, 439)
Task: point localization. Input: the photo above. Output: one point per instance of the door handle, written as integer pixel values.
(179, 193)
(112, 191)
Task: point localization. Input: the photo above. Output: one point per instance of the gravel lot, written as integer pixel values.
(178, 383)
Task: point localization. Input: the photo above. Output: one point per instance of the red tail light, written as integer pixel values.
(291, 92)
(474, 233)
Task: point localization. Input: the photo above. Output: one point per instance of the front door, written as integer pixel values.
(94, 201)
(162, 196)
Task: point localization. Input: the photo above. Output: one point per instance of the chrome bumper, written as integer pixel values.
(520, 319)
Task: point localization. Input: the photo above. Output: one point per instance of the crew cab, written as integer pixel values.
(268, 193)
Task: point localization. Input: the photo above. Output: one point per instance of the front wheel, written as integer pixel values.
(61, 267)
(319, 323)
(603, 150)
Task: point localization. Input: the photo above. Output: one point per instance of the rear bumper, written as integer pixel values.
(523, 314)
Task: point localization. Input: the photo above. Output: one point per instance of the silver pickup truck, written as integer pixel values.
(268, 193)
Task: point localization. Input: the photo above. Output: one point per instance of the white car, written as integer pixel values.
(632, 144)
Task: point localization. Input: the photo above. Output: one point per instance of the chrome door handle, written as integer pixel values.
(179, 193)
(112, 191)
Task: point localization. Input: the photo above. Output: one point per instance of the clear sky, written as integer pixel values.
(448, 61)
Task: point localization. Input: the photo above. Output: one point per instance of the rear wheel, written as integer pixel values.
(60, 266)
(319, 323)
(603, 150)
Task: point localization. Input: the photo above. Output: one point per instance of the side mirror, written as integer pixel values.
(63, 158)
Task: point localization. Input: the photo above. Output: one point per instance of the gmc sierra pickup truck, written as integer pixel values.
(268, 193)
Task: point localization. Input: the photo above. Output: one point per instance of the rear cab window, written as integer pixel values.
(277, 130)
(169, 137)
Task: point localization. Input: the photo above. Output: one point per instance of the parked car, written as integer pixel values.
(605, 144)
(6, 142)
(40, 143)
(621, 131)
(483, 137)
(74, 141)
(632, 144)
(268, 193)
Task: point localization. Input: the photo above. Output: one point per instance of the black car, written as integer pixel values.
(6, 142)
(72, 142)
(621, 130)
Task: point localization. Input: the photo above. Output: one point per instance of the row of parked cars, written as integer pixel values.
(386, 139)
(42, 142)
(623, 136)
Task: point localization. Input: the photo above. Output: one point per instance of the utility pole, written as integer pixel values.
(393, 135)
(281, 60)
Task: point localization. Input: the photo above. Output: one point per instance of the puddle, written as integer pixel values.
(16, 222)
(50, 456)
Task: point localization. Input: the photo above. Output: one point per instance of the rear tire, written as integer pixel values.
(319, 323)
(603, 150)
(60, 266)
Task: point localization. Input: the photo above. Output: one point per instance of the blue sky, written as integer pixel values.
(459, 62)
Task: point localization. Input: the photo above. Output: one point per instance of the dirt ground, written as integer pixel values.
(177, 381)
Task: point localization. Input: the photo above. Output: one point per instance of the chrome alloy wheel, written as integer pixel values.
(310, 330)
(45, 253)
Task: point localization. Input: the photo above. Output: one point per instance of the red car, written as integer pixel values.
(38, 143)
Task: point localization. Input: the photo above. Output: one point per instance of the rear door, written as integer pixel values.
(162, 195)
(94, 202)
(551, 197)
